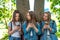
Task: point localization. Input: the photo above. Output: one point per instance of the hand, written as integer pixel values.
(33, 26)
(16, 28)
(30, 25)
(45, 26)
(19, 30)
(50, 29)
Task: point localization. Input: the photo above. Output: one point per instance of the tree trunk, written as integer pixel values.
(22, 6)
(39, 8)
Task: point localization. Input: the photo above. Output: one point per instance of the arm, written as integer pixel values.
(10, 31)
(24, 25)
(28, 28)
(53, 29)
(37, 29)
(44, 27)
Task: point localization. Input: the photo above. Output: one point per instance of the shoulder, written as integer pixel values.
(52, 21)
(24, 23)
(37, 23)
(9, 24)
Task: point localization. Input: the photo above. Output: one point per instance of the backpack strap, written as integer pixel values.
(11, 29)
(11, 25)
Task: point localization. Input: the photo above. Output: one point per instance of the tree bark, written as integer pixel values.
(39, 8)
(23, 6)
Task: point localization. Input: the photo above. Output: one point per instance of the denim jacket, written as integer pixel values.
(52, 32)
(27, 33)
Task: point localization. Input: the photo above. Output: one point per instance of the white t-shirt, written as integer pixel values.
(16, 33)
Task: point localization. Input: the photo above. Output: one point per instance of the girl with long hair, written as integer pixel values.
(48, 27)
(31, 27)
(14, 27)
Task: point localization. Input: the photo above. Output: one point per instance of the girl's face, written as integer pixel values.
(28, 16)
(17, 16)
(45, 16)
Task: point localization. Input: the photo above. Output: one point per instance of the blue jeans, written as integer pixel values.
(14, 38)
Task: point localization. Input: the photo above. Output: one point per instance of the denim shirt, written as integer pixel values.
(52, 32)
(27, 33)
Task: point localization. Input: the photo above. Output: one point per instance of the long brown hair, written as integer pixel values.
(49, 15)
(33, 17)
(14, 14)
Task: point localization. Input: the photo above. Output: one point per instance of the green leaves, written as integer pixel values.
(6, 9)
(55, 8)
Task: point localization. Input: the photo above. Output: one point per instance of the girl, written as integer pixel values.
(48, 27)
(14, 27)
(31, 27)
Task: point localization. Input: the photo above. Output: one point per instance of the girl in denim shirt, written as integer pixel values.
(31, 27)
(48, 28)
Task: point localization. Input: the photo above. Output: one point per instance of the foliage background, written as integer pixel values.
(6, 9)
(8, 6)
